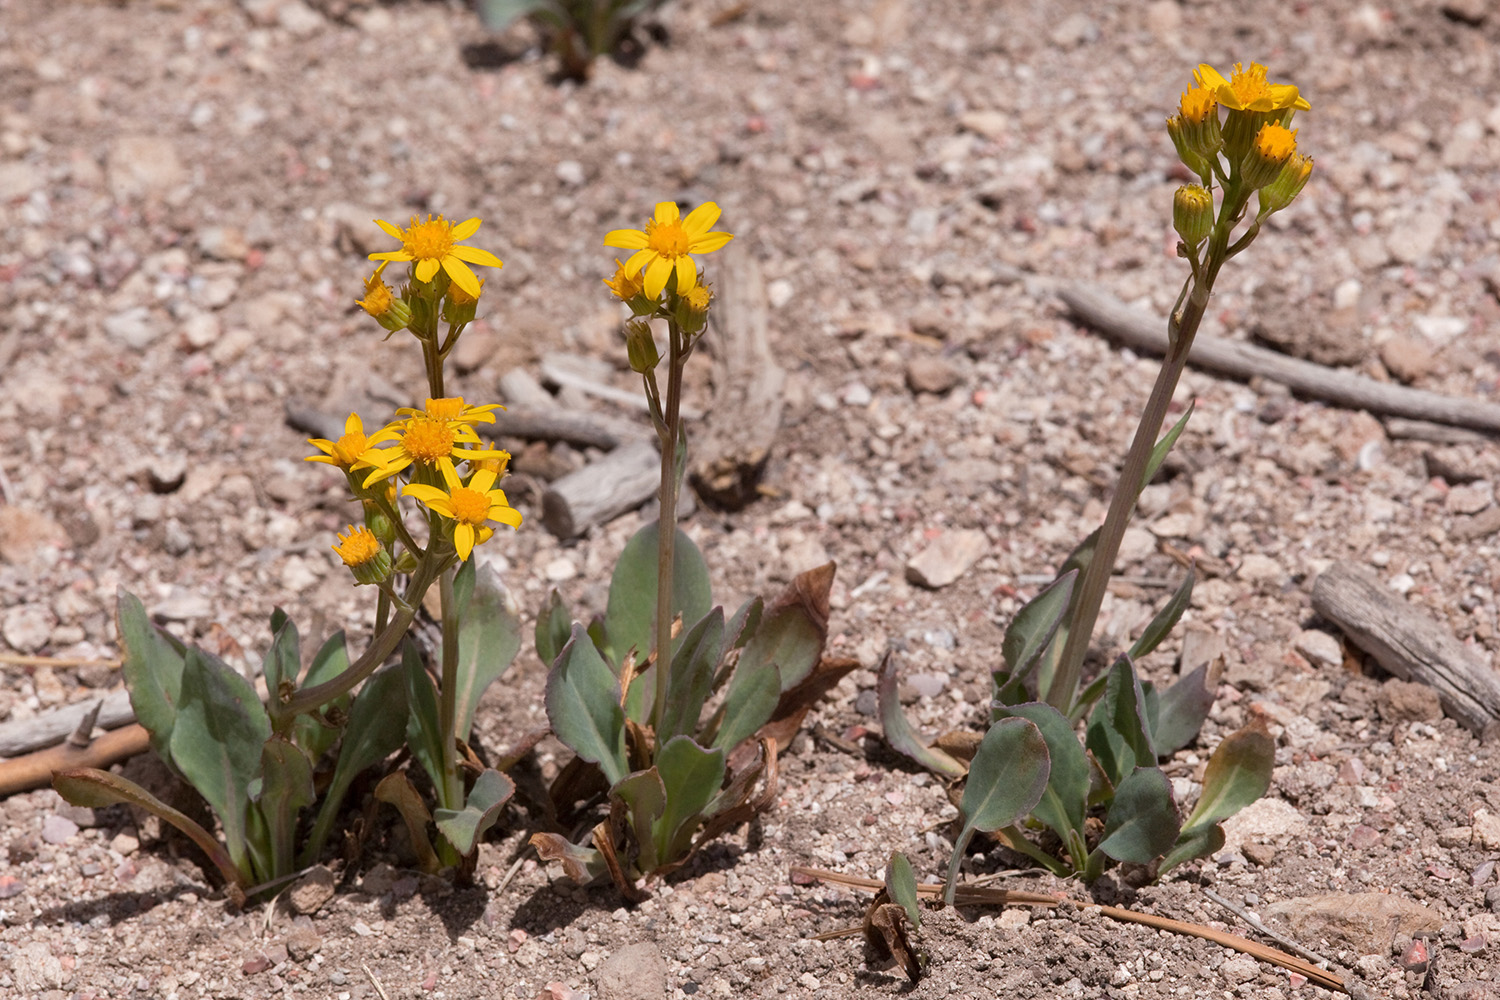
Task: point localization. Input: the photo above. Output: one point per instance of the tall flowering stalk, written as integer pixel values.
(660, 282)
(1248, 151)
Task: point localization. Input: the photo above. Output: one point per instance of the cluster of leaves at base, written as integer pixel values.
(258, 771)
(580, 30)
(737, 690)
(1105, 800)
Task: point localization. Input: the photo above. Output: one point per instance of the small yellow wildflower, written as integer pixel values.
(378, 297)
(666, 246)
(1273, 146)
(1288, 184)
(353, 450)
(625, 286)
(362, 552)
(454, 410)
(468, 506)
(433, 244)
(1248, 90)
(1197, 104)
(429, 442)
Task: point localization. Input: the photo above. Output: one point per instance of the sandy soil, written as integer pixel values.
(188, 189)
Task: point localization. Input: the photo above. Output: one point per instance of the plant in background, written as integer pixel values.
(1107, 800)
(580, 30)
(675, 713)
(256, 764)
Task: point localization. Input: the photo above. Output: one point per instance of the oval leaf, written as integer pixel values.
(583, 705)
(1142, 823)
(1007, 778)
(1238, 773)
(463, 827)
(900, 736)
(630, 614)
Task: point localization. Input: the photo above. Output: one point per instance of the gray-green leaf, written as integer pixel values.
(463, 827)
(1006, 780)
(583, 705)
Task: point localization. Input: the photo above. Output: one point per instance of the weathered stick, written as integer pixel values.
(1145, 332)
(730, 455)
(35, 769)
(49, 728)
(1408, 643)
(620, 481)
(566, 371)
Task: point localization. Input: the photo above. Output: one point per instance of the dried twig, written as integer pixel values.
(18, 660)
(1254, 922)
(374, 982)
(970, 895)
(34, 770)
(23, 736)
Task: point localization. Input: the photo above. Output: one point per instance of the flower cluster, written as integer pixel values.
(1252, 149)
(419, 454)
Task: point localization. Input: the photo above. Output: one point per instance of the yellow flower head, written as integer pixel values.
(461, 297)
(1197, 104)
(625, 286)
(667, 244)
(454, 411)
(430, 442)
(353, 450)
(1273, 146)
(378, 297)
(467, 506)
(1288, 184)
(1248, 90)
(362, 552)
(433, 244)
(357, 546)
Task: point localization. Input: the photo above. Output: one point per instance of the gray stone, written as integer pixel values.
(144, 166)
(634, 972)
(1320, 648)
(1365, 921)
(947, 558)
(311, 891)
(135, 327)
(27, 627)
(929, 374)
(58, 829)
(928, 685)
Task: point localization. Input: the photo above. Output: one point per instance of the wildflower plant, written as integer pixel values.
(675, 711)
(1106, 800)
(426, 485)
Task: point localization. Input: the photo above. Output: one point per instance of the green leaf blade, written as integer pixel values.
(489, 637)
(691, 679)
(152, 668)
(899, 734)
(630, 613)
(463, 827)
(583, 705)
(1007, 778)
(1142, 823)
(691, 776)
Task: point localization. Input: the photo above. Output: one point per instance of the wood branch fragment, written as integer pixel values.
(1144, 332)
(969, 895)
(34, 770)
(1409, 644)
(52, 727)
(1426, 430)
(600, 491)
(730, 456)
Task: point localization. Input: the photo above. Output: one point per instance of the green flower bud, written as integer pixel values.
(1193, 213)
(1288, 184)
(640, 346)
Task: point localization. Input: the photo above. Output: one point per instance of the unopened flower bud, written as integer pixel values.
(1288, 184)
(1273, 147)
(380, 526)
(640, 347)
(691, 312)
(406, 562)
(459, 306)
(1193, 213)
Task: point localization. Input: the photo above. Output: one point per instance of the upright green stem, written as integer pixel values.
(450, 796)
(666, 533)
(1182, 328)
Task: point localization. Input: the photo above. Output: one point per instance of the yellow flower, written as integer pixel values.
(354, 449)
(362, 552)
(667, 244)
(378, 297)
(625, 286)
(1288, 184)
(463, 298)
(433, 244)
(429, 442)
(455, 411)
(1247, 89)
(468, 506)
(1197, 104)
(1273, 146)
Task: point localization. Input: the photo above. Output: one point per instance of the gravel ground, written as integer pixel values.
(188, 189)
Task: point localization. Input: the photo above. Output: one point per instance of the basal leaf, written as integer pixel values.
(285, 789)
(463, 827)
(396, 789)
(489, 636)
(312, 734)
(1142, 822)
(553, 626)
(216, 742)
(898, 732)
(1078, 563)
(754, 691)
(283, 660)
(1165, 620)
(423, 733)
(1117, 733)
(1238, 773)
(1034, 626)
(151, 664)
(691, 776)
(1200, 841)
(1065, 801)
(376, 729)
(86, 786)
(692, 676)
(901, 886)
(646, 799)
(583, 705)
(1180, 710)
(1007, 778)
(630, 614)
